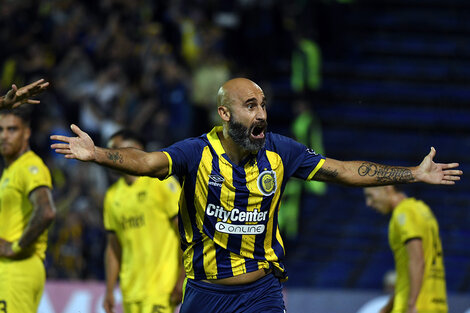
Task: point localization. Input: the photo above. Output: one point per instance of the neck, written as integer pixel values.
(397, 198)
(12, 158)
(233, 150)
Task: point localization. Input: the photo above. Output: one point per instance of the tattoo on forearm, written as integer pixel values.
(385, 173)
(326, 174)
(115, 157)
(39, 221)
(34, 229)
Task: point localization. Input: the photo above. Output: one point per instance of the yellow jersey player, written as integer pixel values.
(26, 211)
(140, 215)
(414, 239)
(233, 179)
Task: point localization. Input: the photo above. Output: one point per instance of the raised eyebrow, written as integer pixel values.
(255, 100)
(250, 100)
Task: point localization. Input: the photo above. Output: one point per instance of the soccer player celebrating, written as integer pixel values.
(414, 239)
(140, 215)
(233, 178)
(26, 211)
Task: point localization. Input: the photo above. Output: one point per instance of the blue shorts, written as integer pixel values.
(261, 296)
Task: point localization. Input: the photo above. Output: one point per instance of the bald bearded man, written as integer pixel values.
(233, 178)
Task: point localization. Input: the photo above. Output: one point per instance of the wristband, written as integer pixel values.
(15, 247)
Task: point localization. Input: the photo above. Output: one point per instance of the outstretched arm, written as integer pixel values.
(363, 173)
(128, 160)
(17, 96)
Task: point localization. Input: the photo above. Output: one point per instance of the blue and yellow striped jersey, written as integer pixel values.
(228, 212)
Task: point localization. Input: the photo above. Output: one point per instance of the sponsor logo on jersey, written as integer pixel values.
(239, 229)
(235, 215)
(142, 195)
(216, 180)
(132, 222)
(267, 182)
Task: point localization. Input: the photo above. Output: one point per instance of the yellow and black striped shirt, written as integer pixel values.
(229, 212)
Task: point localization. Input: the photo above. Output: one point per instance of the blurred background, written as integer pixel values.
(375, 80)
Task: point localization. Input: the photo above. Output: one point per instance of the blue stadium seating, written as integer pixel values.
(401, 87)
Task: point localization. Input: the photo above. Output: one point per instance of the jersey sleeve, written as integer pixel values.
(299, 160)
(108, 220)
(35, 174)
(182, 156)
(409, 224)
(172, 194)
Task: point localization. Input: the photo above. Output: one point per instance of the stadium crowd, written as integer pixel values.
(152, 66)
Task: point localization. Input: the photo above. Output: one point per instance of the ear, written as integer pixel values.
(27, 133)
(224, 113)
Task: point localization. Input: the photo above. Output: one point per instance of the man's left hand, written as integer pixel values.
(176, 295)
(437, 173)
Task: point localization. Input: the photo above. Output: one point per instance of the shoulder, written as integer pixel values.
(171, 183)
(189, 144)
(32, 163)
(274, 140)
(186, 150)
(114, 187)
(183, 156)
(30, 171)
(283, 144)
(410, 208)
(409, 205)
(286, 147)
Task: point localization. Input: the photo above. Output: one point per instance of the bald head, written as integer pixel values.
(236, 89)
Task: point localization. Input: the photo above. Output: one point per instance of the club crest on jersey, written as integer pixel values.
(267, 182)
(33, 170)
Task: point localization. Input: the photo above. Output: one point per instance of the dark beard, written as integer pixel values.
(241, 136)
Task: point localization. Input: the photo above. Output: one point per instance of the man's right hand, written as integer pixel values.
(17, 96)
(81, 147)
(108, 302)
(5, 248)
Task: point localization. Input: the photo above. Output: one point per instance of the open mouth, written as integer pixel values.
(257, 132)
